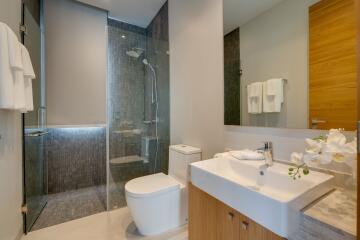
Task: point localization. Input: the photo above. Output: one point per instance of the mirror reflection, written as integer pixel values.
(290, 63)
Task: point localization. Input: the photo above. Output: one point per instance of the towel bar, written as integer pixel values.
(284, 79)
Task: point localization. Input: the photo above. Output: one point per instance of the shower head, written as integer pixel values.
(145, 61)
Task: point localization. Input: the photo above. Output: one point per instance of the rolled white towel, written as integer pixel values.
(247, 154)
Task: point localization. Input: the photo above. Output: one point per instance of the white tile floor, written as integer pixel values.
(114, 225)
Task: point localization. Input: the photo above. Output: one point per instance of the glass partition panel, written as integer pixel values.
(138, 103)
(35, 174)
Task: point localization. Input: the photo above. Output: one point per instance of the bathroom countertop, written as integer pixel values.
(337, 210)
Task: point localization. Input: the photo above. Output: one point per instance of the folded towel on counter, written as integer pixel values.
(255, 96)
(247, 154)
(273, 95)
(6, 74)
(219, 155)
(29, 75)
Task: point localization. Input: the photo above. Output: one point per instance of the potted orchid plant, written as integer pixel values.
(323, 150)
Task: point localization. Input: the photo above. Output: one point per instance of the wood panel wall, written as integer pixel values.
(333, 64)
(357, 7)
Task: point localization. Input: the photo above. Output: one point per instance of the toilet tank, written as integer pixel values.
(180, 157)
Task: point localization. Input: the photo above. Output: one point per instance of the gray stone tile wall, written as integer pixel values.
(131, 111)
(76, 158)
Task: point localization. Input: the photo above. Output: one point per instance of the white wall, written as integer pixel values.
(196, 78)
(76, 63)
(275, 45)
(10, 148)
(196, 74)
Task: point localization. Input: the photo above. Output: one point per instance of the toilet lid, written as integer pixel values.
(151, 185)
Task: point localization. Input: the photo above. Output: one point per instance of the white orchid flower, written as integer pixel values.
(336, 137)
(333, 148)
(313, 146)
(297, 158)
(351, 147)
(311, 158)
(328, 157)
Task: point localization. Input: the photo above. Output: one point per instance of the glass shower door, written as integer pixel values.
(35, 170)
(138, 103)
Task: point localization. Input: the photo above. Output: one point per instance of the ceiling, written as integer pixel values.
(136, 12)
(141, 12)
(239, 12)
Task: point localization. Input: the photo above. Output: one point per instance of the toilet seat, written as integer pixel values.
(151, 185)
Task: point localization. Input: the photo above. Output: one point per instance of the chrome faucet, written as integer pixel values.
(268, 154)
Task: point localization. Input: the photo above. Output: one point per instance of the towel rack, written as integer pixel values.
(284, 79)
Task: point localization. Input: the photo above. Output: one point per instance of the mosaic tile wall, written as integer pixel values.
(126, 107)
(126, 89)
(131, 111)
(158, 55)
(35, 175)
(232, 78)
(76, 158)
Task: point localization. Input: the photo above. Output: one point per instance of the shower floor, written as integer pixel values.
(71, 205)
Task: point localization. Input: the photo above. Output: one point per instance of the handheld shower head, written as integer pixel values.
(145, 61)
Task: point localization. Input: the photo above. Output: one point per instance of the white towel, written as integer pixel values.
(19, 91)
(273, 95)
(16, 72)
(29, 75)
(16, 64)
(255, 95)
(14, 50)
(220, 155)
(6, 74)
(247, 154)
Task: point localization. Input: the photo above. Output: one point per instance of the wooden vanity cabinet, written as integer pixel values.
(202, 215)
(210, 219)
(227, 222)
(250, 230)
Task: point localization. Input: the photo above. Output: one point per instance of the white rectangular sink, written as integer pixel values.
(273, 200)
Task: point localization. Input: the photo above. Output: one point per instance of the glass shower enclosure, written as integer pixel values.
(34, 163)
(138, 103)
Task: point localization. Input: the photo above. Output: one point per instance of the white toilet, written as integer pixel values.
(159, 202)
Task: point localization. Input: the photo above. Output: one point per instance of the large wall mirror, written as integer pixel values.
(290, 63)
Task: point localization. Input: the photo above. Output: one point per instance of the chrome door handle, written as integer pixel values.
(315, 122)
